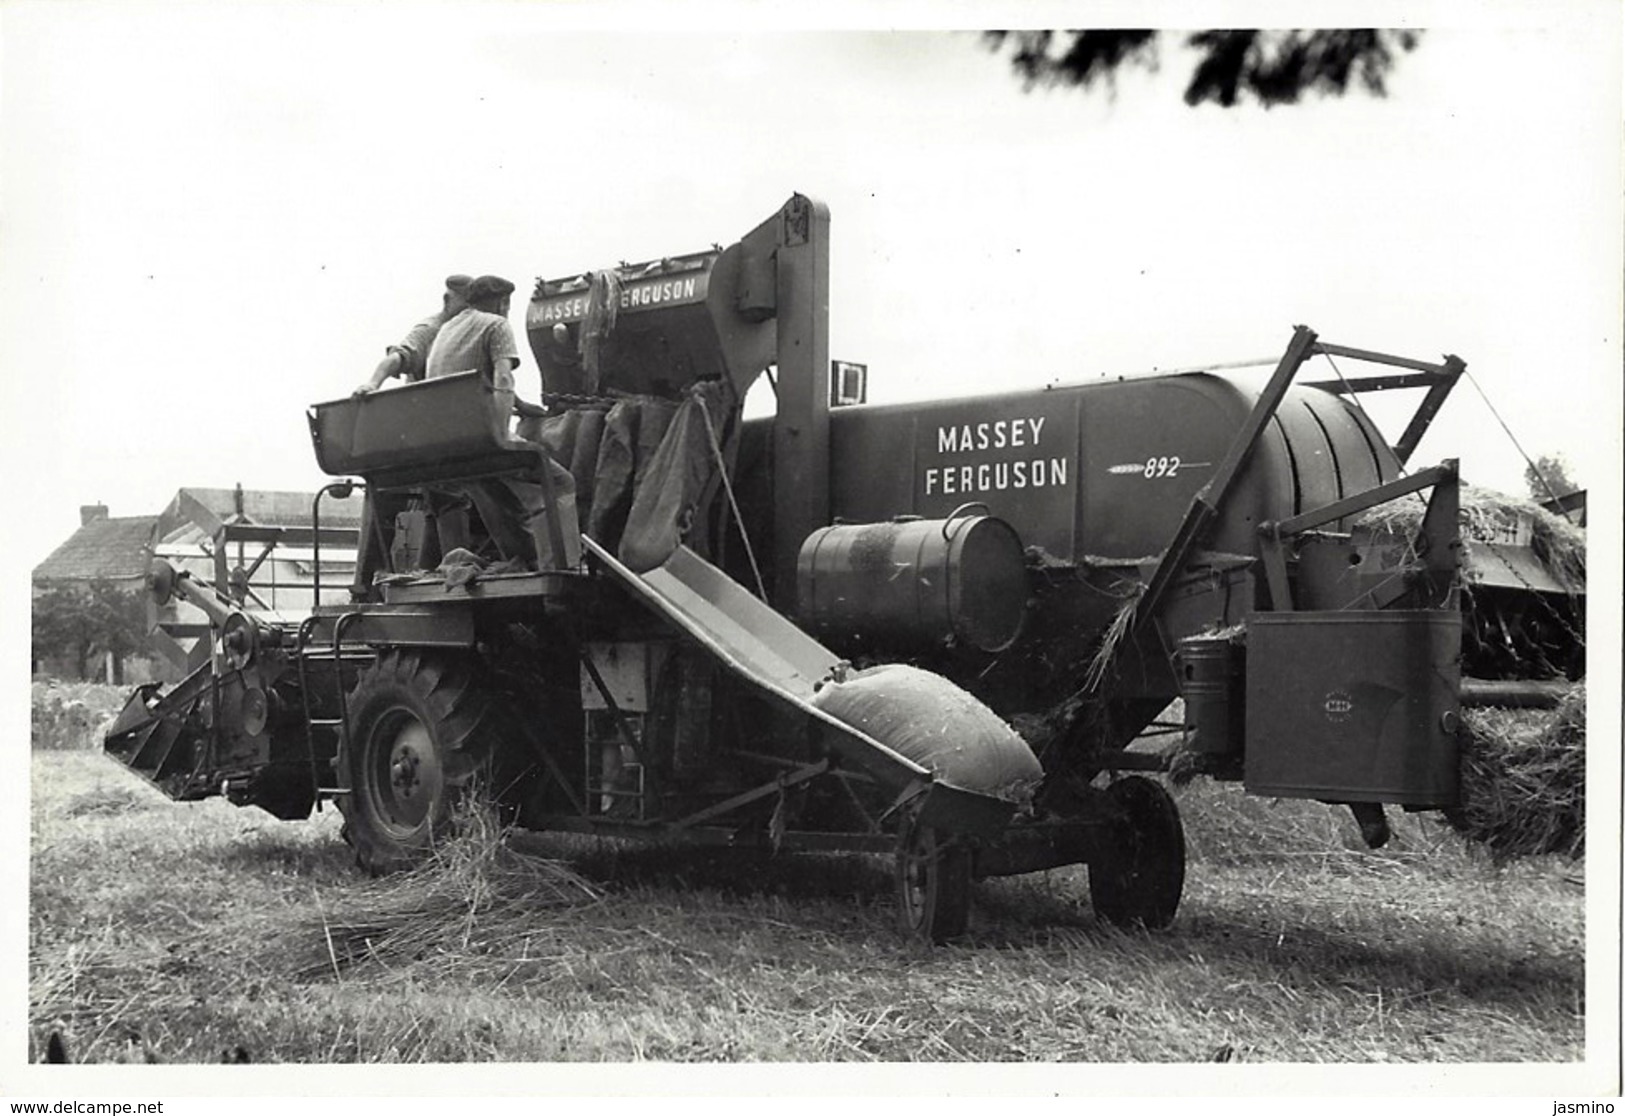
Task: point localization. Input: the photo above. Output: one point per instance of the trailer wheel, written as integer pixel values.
(933, 884)
(418, 740)
(1140, 881)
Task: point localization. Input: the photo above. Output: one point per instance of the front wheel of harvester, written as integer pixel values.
(933, 884)
(1139, 883)
(419, 739)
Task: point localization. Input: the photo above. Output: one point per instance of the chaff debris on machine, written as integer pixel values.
(1488, 518)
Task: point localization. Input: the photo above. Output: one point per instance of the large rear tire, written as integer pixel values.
(420, 738)
(933, 884)
(1140, 882)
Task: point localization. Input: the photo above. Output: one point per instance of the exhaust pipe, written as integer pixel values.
(1478, 693)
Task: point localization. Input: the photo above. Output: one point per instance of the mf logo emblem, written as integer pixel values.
(1338, 705)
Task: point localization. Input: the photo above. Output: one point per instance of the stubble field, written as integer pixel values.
(202, 933)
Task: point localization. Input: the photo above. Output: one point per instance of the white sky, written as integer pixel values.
(215, 215)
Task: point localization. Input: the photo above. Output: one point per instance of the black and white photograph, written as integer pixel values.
(620, 552)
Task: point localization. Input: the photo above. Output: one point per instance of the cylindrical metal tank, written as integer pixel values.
(1094, 479)
(1212, 683)
(916, 582)
(1106, 469)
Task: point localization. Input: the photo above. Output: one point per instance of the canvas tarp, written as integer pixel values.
(642, 469)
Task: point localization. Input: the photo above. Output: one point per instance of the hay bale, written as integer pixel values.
(1487, 515)
(1523, 780)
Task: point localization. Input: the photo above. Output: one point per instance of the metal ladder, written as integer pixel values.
(304, 654)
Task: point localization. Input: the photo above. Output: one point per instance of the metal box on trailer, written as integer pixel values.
(1354, 706)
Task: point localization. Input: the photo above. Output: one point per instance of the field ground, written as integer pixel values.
(185, 932)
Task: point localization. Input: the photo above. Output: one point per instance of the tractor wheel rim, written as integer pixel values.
(406, 780)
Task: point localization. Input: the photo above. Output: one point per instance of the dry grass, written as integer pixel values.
(187, 931)
(1487, 515)
(475, 895)
(1523, 779)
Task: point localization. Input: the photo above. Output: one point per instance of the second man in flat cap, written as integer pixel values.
(480, 340)
(409, 357)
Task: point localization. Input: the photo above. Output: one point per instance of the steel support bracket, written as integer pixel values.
(1440, 379)
(777, 786)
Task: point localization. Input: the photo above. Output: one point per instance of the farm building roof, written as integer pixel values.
(116, 549)
(103, 549)
(271, 509)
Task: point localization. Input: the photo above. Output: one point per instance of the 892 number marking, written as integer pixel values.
(1155, 468)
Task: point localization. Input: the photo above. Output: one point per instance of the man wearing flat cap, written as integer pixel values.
(408, 358)
(480, 339)
(514, 509)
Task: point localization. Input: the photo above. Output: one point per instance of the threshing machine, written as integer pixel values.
(1071, 559)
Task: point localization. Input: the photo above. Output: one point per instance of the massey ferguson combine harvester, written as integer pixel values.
(721, 665)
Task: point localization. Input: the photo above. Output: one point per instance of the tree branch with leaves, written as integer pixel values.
(1270, 67)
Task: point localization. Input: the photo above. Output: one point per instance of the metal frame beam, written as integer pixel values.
(1440, 379)
(1385, 358)
(1370, 498)
(1436, 535)
(777, 786)
(1428, 408)
(801, 464)
(1204, 507)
